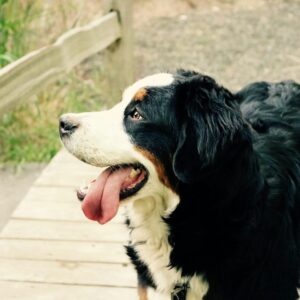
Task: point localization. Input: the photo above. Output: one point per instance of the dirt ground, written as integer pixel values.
(236, 42)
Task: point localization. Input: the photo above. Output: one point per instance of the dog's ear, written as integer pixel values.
(210, 127)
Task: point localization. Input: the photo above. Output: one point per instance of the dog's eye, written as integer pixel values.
(136, 115)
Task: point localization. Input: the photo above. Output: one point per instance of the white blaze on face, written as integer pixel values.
(157, 80)
(100, 138)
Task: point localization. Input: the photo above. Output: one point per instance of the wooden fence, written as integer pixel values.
(34, 71)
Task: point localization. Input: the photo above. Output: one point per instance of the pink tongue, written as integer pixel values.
(102, 200)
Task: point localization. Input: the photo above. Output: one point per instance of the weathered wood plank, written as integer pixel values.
(119, 64)
(58, 194)
(63, 251)
(68, 272)
(69, 177)
(42, 291)
(49, 210)
(66, 170)
(52, 210)
(67, 231)
(31, 73)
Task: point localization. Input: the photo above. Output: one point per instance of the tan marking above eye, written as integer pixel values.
(140, 94)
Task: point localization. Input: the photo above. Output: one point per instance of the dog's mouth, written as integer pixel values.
(102, 198)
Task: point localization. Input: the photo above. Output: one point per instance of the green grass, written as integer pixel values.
(30, 132)
(15, 18)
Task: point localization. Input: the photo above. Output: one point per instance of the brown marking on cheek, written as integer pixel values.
(140, 95)
(142, 291)
(160, 169)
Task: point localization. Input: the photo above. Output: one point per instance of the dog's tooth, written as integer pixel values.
(134, 173)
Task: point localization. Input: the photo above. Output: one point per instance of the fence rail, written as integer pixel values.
(31, 73)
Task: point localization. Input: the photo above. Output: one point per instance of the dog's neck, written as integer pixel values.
(147, 215)
(167, 228)
(149, 236)
(218, 207)
(227, 188)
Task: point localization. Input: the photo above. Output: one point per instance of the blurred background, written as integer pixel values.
(235, 41)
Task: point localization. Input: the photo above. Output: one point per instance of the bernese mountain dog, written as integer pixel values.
(210, 181)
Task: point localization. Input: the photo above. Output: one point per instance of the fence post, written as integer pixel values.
(119, 67)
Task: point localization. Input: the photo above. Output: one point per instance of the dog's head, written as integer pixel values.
(168, 130)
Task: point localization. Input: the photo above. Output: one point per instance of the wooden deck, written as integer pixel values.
(48, 250)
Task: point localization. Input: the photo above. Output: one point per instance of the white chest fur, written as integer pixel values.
(150, 239)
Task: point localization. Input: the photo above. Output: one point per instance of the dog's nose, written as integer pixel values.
(67, 125)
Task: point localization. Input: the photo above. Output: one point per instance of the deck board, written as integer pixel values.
(67, 272)
(58, 205)
(66, 231)
(42, 291)
(62, 250)
(48, 250)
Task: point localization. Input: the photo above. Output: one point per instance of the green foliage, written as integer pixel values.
(30, 132)
(15, 18)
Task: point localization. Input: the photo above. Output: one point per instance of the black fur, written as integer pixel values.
(234, 161)
(144, 276)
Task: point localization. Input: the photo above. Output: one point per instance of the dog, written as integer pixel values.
(210, 181)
